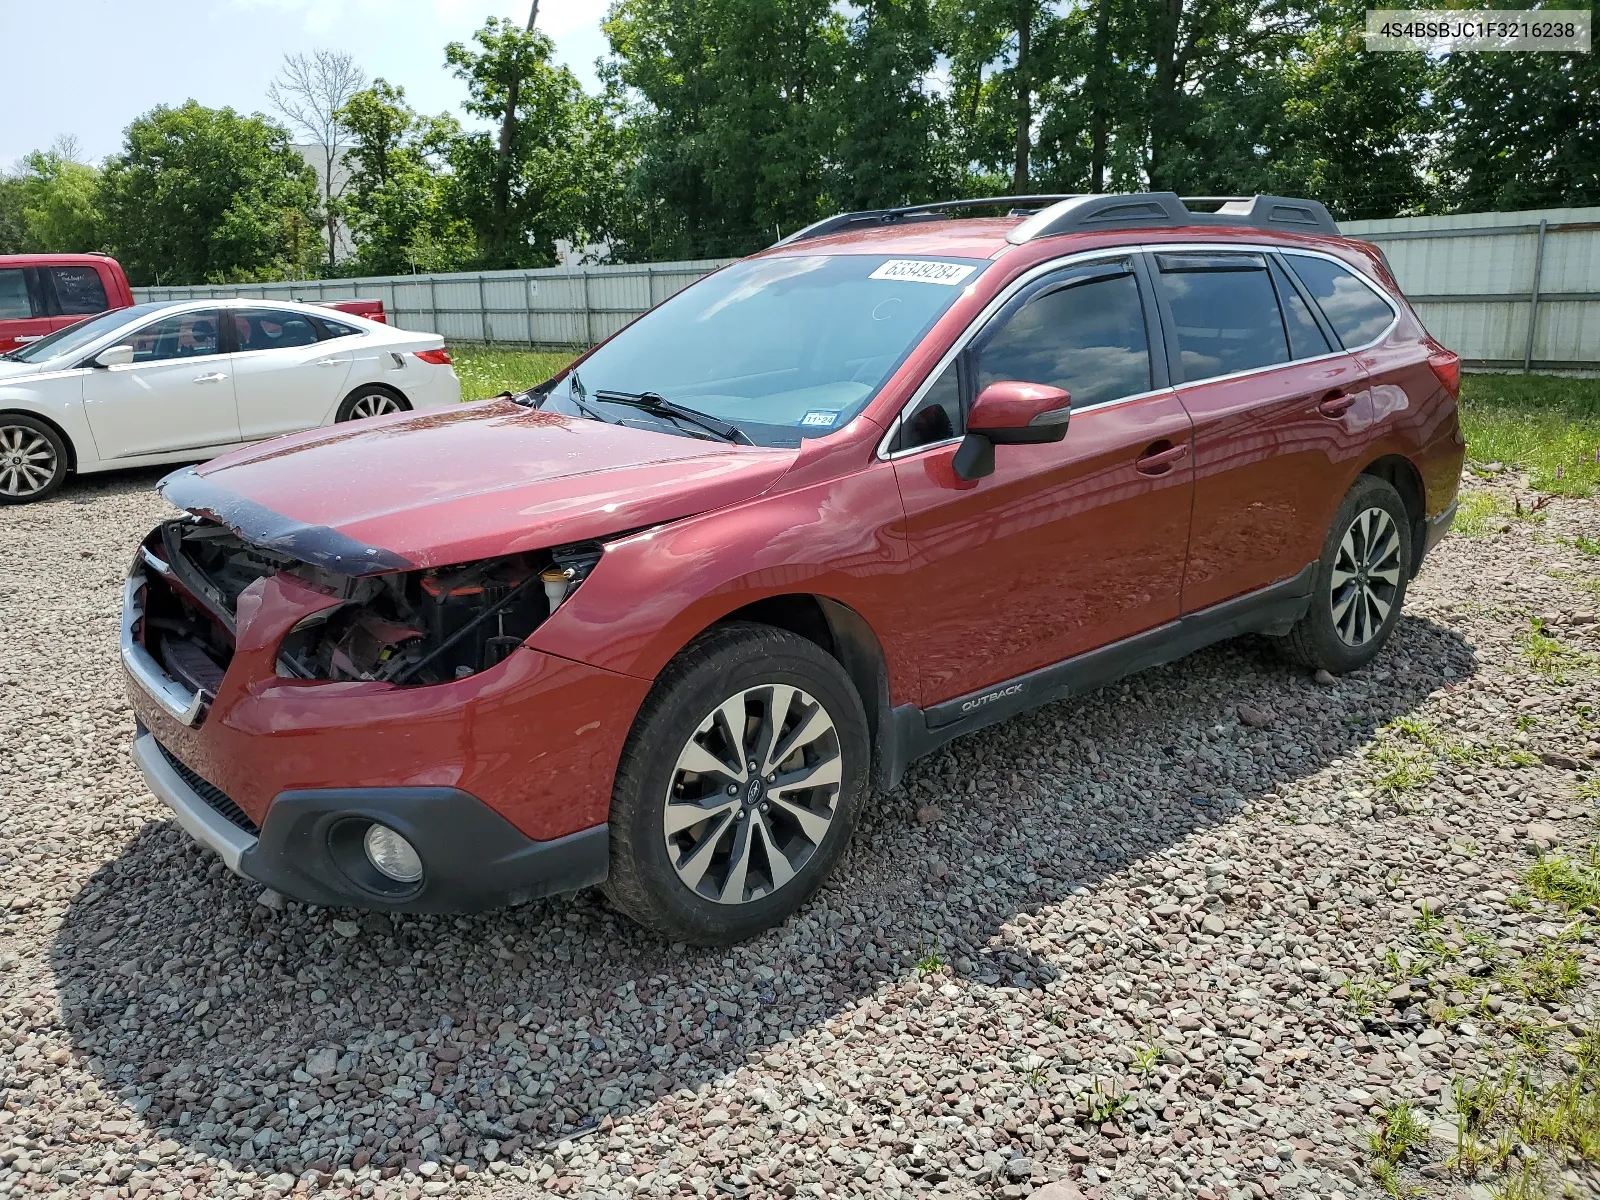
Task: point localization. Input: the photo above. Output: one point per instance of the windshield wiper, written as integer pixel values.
(658, 405)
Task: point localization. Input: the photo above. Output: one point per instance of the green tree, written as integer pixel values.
(13, 230)
(553, 180)
(52, 202)
(1520, 130)
(208, 195)
(397, 201)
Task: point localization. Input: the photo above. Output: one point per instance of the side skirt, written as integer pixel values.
(916, 731)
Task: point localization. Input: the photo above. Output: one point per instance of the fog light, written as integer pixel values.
(392, 855)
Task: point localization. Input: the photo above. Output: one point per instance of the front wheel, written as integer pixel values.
(1360, 584)
(738, 787)
(33, 459)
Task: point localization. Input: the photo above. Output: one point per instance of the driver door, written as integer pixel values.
(1069, 545)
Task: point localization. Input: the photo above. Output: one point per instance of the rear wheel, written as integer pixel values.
(1361, 581)
(371, 400)
(738, 788)
(33, 459)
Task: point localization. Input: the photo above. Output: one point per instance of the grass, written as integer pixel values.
(1399, 1132)
(487, 371)
(1572, 885)
(1480, 513)
(1546, 425)
(1547, 656)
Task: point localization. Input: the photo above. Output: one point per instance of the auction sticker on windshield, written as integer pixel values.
(916, 270)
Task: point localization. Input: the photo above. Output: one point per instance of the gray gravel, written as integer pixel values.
(1102, 944)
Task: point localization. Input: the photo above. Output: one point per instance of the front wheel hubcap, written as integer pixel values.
(753, 794)
(1366, 577)
(375, 404)
(27, 461)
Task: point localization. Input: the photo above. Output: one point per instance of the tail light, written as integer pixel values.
(1447, 366)
(439, 357)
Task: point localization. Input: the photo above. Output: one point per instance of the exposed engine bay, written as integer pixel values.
(407, 628)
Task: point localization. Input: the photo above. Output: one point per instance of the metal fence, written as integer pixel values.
(554, 308)
(1516, 290)
(1507, 291)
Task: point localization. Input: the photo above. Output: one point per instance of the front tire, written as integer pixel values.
(33, 459)
(371, 400)
(1360, 582)
(738, 787)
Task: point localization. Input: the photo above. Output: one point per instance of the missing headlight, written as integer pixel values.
(424, 627)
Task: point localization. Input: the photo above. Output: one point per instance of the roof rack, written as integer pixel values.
(1053, 216)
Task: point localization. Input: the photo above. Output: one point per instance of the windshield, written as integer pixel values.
(784, 348)
(80, 334)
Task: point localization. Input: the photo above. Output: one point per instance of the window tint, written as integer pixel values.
(182, 335)
(79, 291)
(1352, 308)
(938, 415)
(272, 329)
(1225, 312)
(14, 303)
(1306, 339)
(1084, 332)
(336, 329)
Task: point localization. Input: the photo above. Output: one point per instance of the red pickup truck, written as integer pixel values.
(40, 293)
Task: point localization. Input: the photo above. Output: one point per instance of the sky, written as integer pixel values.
(110, 60)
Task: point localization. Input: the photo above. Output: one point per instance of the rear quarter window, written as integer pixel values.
(1358, 315)
(80, 292)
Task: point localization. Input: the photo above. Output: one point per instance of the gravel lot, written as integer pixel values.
(1102, 944)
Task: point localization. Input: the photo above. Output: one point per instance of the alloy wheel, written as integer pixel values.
(1365, 580)
(753, 794)
(374, 404)
(27, 461)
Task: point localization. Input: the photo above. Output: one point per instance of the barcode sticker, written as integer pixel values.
(917, 270)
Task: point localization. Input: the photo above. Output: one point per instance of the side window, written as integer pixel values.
(1306, 339)
(336, 329)
(79, 291)
(14, 302)
(272, 329)
(1224, 311)
(182, 335)
(1354, 310)
(938, 415)
(1083, 331)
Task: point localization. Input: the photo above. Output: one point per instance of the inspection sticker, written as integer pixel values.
(819, 418)
(917, 270)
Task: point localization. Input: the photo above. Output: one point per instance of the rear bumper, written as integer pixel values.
(1433, 531)
(310, 847)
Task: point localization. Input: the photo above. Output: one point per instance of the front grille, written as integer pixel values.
(214, 796)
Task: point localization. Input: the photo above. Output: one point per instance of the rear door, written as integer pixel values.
(1069, 545)
(24, 311)
(176, 395)
(285, 377)
(1265, 385)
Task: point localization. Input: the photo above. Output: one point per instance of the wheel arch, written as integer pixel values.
(1402, 474)
(32, 415)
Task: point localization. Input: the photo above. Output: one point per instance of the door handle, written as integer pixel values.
(1336, 404)
(213, 377)
(23, 338)
(329, 362)
(1160, 457)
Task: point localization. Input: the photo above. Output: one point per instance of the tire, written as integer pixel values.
(33, 459)
(687, 885)
(370, 400)
(1360, 584)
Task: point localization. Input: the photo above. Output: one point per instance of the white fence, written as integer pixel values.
(552, 308)
(1514, 290)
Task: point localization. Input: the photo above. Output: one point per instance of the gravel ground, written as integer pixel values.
(1108, 947)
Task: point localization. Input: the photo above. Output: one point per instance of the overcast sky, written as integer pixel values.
(88, 67)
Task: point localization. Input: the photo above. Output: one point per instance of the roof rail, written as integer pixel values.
(914, 212)
(1086, 214)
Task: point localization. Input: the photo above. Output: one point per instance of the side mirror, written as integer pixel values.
(114, 356)
(1010, 413)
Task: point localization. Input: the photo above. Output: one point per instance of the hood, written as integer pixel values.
(16, 370)
(455, 485)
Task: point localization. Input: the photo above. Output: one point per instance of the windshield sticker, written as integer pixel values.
(818, 418)
(916, 270)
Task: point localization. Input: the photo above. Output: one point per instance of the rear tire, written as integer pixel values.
(1360, 583)
(371, 400)
(770, 836)
(33, 459)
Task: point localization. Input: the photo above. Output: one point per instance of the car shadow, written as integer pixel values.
(260, 1035)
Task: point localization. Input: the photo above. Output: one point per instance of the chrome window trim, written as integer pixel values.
(884, 454)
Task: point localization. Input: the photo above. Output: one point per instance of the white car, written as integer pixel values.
(184, 381)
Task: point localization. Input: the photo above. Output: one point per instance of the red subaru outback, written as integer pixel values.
(662, 622)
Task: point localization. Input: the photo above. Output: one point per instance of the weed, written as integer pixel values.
(1547, 974)
(1490, 754)
(1415, 729)
(1427, 922)
(1403, 770)
(1548, 657)
(1479, 514)
(1525, 722)
(1361, 996)
(1559, 880)
(929, 962)
(1103, 1105)
(1589, 789)
(1518, 902)
(1586, 545)
(1146, 1057)
(1399, 1132)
